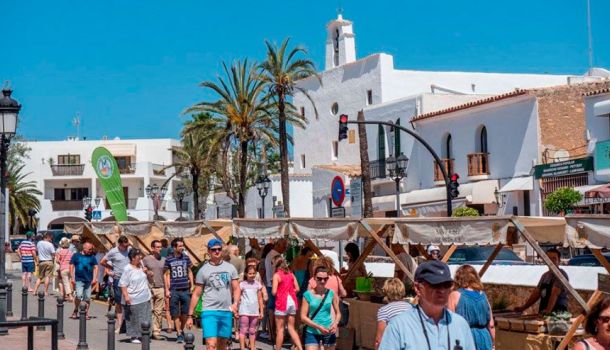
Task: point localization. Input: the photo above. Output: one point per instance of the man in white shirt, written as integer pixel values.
(46, 256)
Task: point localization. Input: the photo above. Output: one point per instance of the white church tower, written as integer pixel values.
(340, 43)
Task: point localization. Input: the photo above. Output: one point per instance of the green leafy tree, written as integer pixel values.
(562, 199)
(22, 194)
(280, 71)
(465, 211)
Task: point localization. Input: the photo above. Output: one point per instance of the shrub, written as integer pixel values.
(465, 211)
(562, 199)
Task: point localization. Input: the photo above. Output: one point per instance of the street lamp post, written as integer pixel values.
(180, 192)
(397, 169)
(156, 193)
(262, 185)
(9, 112)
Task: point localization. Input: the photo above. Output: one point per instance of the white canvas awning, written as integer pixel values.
(519, 184)
(122, 149)
(591, 231)
(434, 209)
(259, 229)
(601, 108)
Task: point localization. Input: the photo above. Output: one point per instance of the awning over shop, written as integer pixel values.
(591, 231)
(519, 184)
(122, 149)
(432, 209)
(601, 108)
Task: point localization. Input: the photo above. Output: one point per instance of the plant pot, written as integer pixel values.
(557, 327)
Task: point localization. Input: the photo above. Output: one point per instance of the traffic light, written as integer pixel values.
(88, 213)
(342, 127)
(453, 186)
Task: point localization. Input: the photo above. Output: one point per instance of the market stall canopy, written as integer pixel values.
(519, 184)
(301, 228)
(602, 191)
(592, 231)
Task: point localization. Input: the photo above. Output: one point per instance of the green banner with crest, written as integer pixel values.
(107, 171)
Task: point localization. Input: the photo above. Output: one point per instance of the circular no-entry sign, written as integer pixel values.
(337, 191)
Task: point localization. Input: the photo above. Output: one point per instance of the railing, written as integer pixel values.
(377, 169)
(158, 169)
(129, 169)
(67, 169)
(59, 205)
(478, 164)
(448, 164)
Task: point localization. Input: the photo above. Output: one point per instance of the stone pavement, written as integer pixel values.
(17, 340)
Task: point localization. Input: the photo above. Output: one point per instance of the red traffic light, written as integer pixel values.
(343, 118)
(89, 209)
(455, 177)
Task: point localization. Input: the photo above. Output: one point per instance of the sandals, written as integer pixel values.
(74, 316)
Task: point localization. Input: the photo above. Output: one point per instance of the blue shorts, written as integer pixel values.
(116, 290)
(27, 267)
(271, 300)
(179, 302)
(217, 324)
(82, 290)
(315, 339)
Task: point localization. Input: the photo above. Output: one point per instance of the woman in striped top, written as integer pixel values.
(394, 290)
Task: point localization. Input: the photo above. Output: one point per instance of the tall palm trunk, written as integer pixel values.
(243, 176)
(284, 154)
(195, 179)
(365, 169)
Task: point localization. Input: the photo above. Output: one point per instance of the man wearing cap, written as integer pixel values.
(429, 325)
(178, 282)
(27, 255)
(218, 280)
(74, 244)
(115, 262)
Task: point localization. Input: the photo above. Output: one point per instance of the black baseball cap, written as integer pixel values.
(433, 272)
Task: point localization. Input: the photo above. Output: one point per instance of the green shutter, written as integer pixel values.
(397, 139)
(380, 142)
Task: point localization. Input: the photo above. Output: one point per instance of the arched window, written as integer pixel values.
(483, 140)
(448, 147)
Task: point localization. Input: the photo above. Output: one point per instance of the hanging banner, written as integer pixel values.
(107, 171)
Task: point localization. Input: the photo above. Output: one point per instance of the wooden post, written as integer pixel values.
(387, 250)
(448, 253)
(422, 251)
(491, 258)
(602, 260)
(315, 249)
(365, 253)
(554, 269)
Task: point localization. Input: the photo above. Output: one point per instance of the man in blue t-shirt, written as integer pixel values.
(83, 269)
(178, 282)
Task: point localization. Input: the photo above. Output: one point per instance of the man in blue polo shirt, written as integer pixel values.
(178, 282)
(429, 325)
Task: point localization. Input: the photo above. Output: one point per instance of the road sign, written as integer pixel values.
(337, 212)
(278, 210)
(337, 191)
(96, 215)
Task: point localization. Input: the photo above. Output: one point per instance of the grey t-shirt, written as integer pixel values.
(119, 260)
(216, 282)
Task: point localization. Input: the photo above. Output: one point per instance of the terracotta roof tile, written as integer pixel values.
(597, 92)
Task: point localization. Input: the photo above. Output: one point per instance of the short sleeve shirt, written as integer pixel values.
(216, 282)
(27, 249)
(248, 305)
(395, 308)
(546, 284)
(118, 259)
(178, 268)
(156, 266)
(137, 284)
(323, 317)
(83, 267)
(45, 250)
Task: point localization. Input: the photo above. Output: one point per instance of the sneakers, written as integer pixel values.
(135, 341)
(180, 338)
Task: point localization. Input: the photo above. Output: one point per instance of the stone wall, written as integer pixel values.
(512, 296)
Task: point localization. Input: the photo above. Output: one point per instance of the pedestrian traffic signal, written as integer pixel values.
(88, 213)
(453, 186)
(342, 127)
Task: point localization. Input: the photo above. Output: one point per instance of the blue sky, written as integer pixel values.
(130, 67)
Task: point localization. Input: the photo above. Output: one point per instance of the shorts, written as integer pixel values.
(45, 269)
(291, 308)
(248, 325)
(27, 267)
(179, 302)
(271, 300)
(82, 290)
(116, 291)
(217, 324)
(327, 340)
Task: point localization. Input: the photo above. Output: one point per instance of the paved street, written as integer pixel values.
(96, 327)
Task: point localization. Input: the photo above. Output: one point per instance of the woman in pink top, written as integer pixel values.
(284, 289)
(62, 259)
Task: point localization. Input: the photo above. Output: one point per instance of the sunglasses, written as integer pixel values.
(604, 319)
(216, 250)
(321, 279)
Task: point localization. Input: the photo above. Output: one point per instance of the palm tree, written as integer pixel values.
(280, 72)
(22, 194)
(241, 116)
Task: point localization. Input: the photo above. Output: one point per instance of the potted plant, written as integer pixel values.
(465, 211)
(558, 322)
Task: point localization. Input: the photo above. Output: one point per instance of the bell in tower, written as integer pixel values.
(340, 43)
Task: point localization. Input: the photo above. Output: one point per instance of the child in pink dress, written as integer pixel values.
(251, 308)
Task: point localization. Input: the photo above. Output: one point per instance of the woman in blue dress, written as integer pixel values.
(469, 301)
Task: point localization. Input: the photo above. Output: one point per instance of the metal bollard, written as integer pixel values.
(145, 335)
(40, 310)
(60, 318)
(111, 324)
(24, 303)
(189, 339)
(9, 299)
(82, 327)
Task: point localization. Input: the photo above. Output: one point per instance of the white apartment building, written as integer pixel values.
(64, 174)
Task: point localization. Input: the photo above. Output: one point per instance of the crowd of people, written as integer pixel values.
(237, 297)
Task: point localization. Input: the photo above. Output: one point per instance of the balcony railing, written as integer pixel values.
(478, 164)
(377, 169)
(59, 205)
(67, 169)
(438, 174)
(128, 169)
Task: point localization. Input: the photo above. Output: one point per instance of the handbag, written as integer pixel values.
(315, 313)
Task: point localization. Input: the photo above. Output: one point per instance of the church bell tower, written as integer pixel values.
(340, 43)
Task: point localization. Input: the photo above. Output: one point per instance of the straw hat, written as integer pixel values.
(64, 242)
